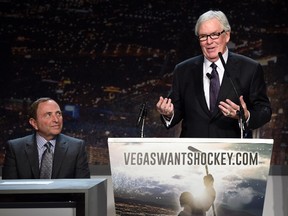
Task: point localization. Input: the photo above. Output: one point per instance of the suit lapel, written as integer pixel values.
(199, 88)
(32, 156)
(226, 88)
(59, 155)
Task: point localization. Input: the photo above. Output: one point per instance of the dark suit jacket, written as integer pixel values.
(21, 159)
(190, 105)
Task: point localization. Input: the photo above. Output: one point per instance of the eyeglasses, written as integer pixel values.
(213, 36)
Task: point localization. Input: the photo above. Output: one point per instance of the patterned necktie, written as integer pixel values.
(214, 87)
(46, 162)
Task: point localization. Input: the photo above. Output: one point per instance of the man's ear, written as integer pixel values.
(33, 123)
(227, 36)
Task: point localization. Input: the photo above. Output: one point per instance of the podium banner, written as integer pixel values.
(168, 176)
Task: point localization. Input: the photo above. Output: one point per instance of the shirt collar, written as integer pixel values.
(41, 141)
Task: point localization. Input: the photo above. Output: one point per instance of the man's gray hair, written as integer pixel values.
(211, 14)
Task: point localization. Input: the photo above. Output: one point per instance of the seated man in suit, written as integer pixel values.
(24, 158)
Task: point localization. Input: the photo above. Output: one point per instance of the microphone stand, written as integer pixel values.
(241, 115)
(142, 117)
(240, 112)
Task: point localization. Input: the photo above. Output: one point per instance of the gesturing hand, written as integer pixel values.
(230, 109)
(165, 107)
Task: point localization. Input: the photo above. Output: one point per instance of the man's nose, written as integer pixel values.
(209, 40)
(55, 118)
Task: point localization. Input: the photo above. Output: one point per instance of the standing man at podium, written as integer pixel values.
(47, 153)
(214, 92)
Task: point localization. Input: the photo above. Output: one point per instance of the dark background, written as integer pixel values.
(100, 60)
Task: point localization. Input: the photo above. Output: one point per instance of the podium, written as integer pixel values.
(65, 197)
(150, 174)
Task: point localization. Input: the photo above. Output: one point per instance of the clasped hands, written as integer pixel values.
(229, 109)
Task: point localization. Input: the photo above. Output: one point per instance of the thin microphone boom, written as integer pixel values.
(228, 74)
(240, 112)
(142, 113)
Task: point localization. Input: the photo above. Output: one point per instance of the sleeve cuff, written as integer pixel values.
(167, 120)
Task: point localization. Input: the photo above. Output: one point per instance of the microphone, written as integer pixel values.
(142, 113)
(240, 112)
(209, 76)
